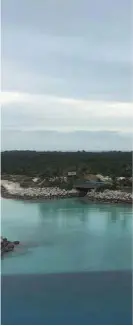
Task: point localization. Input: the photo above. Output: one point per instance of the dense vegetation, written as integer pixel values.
(49, 164)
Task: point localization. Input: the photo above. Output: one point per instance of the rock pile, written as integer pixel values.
(7, 245)
(111, 196)
(13, 190)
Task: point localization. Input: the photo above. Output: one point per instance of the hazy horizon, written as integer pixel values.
(66, 75)
(91, 141)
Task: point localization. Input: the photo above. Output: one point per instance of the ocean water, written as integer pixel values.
(73, 265)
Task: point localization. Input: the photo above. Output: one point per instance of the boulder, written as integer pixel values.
(7, 246)
(4, 239)
(5, 243)
(16, 242)
(7, 249)
(10, 246)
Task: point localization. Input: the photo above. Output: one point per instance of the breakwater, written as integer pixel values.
(13, 190)
(111, 196)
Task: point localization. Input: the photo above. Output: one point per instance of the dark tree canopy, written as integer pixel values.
(59, 163)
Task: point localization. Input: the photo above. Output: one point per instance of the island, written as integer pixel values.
(31, 175)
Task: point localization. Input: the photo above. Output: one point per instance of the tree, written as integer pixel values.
(50, 164)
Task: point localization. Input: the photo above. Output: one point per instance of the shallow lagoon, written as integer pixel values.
(74, 262)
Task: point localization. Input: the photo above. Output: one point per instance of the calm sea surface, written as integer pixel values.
(73, 264)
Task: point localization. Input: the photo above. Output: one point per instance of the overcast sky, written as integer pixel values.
(66, 74)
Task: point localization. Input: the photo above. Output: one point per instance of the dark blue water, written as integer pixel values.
(78, 298)
(73, 266)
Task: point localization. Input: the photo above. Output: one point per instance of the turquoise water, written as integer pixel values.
(73, 265)
(67, 235)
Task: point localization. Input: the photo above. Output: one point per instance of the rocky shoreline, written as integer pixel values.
(111, 196)
(13, 190)
(7, 246)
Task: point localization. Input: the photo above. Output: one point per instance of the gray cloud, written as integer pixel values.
(71, 50)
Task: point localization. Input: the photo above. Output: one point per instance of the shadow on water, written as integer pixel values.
(79, 209)
(19, 252)
(25, 248)
(74, 298)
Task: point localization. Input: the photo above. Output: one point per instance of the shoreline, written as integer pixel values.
(36, 198)
(89, 197)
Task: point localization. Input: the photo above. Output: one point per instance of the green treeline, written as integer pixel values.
(52, 164)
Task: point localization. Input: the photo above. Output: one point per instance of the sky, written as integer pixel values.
(66, 75)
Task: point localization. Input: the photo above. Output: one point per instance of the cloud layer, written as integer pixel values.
(66, 67)
(25, 111)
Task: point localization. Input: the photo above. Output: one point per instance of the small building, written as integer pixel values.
(87, 185)
(71, 173)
